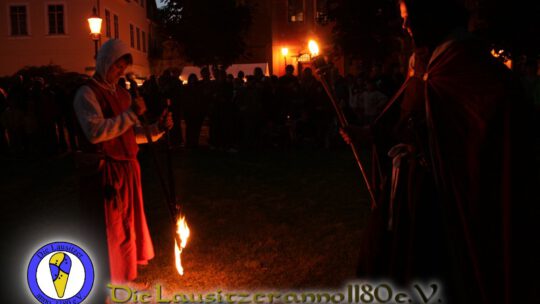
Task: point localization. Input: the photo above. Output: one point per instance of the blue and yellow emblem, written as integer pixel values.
(60, 265)
(60, 272)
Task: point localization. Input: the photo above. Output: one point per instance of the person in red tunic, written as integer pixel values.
(454, 170)
(109, 120)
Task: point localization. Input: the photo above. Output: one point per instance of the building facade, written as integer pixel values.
(290, 25)
(42, 32)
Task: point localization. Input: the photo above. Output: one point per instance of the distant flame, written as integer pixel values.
(313, 48)
(182, 230)
(496, 54)
(507, 61)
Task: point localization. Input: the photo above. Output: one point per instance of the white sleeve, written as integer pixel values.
(96, 127)
(140, 133)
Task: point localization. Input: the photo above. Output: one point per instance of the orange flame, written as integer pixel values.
(313, 48)
(497, 54)
(182, 230)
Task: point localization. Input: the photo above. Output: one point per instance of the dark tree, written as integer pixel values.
(368, 30)
(510, 25)
(209, 32)
(48, 72)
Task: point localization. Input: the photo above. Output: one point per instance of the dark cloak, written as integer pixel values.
(465, 210)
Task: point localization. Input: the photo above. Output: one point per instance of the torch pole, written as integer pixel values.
(151, 146)
(170, 169)
(171, 202)
(344, 124)
(170, 196)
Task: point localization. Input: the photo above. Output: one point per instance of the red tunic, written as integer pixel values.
(128, 238)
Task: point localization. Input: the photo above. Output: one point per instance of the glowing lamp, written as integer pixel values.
(94, 23)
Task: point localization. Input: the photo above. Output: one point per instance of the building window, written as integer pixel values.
(138, 39)
(107, 23)
(321, 13)
(17, 14)
(131, 36)
(143, 41)
(56, 19)
(295, 10)
(116, 29)
(150, 45)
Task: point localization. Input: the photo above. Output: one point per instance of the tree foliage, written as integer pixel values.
(47, 72)
(210, 32)
(366, 30)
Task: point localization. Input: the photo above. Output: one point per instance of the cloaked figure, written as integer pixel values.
(454, 170)
(111, 196)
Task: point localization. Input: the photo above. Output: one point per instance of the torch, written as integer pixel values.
(322, 70)
(181, 233)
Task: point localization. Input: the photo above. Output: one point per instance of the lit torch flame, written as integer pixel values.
(500, 53)
(182, 230)
(313, 48)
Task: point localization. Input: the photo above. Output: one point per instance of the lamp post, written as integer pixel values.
(284, 52)
(95, 29)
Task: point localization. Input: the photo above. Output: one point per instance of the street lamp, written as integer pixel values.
(284, 52)
(95, 29)
(313, 48)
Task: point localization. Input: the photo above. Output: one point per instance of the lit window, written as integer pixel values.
(17, 14)
(295, 10)
(321, 14)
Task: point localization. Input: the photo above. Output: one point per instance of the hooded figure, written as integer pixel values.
(454, 170)
(112, 198)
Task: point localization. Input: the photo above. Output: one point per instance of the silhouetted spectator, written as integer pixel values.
(372, 102)
(195, 110)
(133, 85)
(258, 74)
(171, 88)
(122, 83)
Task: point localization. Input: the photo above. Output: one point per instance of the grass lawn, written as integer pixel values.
(277, 219)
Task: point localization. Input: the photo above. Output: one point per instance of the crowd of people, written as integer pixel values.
(241, 112)
(36, 115)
